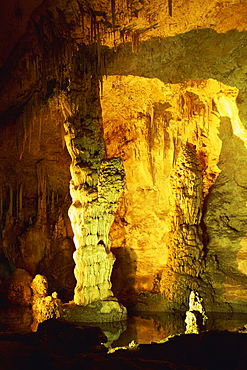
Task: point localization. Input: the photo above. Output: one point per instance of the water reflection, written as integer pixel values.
(151, 327)
(141, 327)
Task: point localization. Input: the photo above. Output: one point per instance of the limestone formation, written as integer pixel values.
(195, 316)
(44, 307)
(145, 103)
(185, 245)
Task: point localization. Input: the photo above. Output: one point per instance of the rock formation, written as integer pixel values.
(44, 307)
(130, 116)
(195, 316)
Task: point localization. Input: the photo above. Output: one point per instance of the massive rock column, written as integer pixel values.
(186, 212)
(96, 184)
(185, 245)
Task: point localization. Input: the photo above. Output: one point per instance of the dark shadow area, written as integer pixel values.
(195, 55)
(123, 275)
(172, 59)
(61, 345)
(224, 216)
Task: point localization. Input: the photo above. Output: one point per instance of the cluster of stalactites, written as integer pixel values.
(186, 184)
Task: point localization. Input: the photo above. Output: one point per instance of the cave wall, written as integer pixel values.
(169, 228)
(35, 229)
(172, 80)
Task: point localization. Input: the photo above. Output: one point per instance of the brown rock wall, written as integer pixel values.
(34, 180)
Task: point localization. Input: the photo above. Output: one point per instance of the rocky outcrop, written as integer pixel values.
(57, 344)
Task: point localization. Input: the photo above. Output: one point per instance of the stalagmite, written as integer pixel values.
(195, 316)
(44, 307)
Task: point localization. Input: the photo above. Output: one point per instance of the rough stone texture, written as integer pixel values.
(185, 248)
(19, 288)
(176, 74)
(100, 311)
(95, 187)
(170, 133)
(44, 307)
(34, 200)
(195, 316)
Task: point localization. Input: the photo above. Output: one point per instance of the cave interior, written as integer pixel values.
(123, 163)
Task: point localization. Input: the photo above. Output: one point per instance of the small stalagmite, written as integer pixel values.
(44, 307)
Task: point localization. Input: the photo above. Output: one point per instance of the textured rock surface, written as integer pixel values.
(176, 79)
(95, 187)
(44, 307)
(19, 288)
(34, 200)
(171, 135)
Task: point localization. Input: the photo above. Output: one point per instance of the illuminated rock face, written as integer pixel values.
(34, 201)
(91, 222)
(44, 307)
(185, 245)
(184, 242)
(170, 123)
(164, 234)
(19, 290)
(95, 187)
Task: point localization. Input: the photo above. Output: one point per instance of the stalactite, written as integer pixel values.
(152, 116)
(1, 204)
(62, 133)
(20, 201)
(10, 210)
(170, 7)
(42, 192)
(17, 202)
(98, 46)
(135, 42)
(113, 11)
(185, 245)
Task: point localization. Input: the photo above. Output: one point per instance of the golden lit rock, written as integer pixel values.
(145, 105)
(44, 307)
